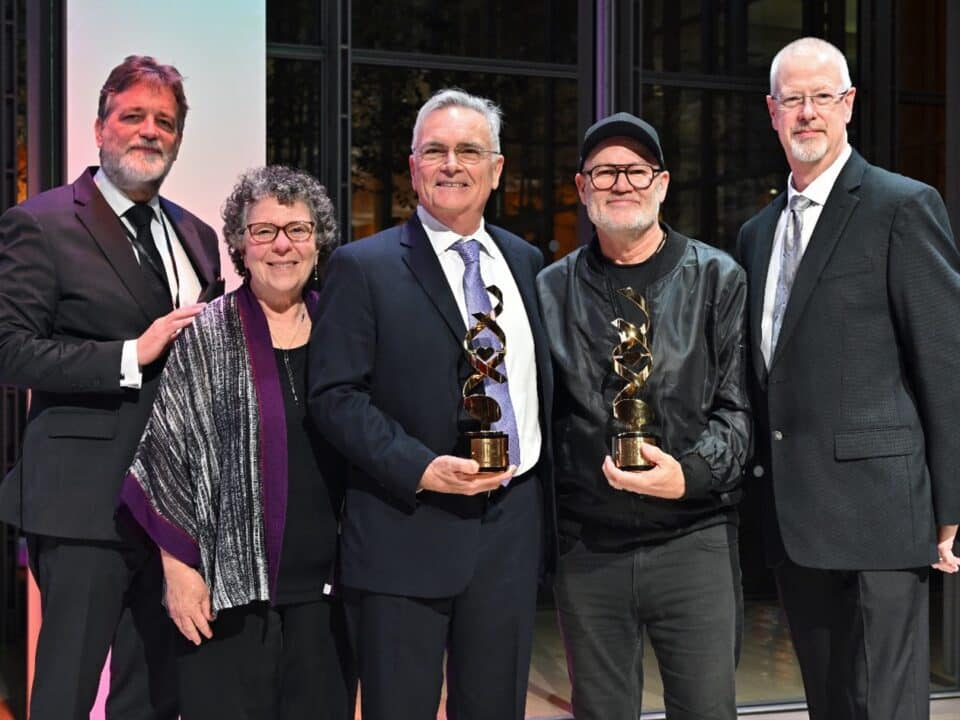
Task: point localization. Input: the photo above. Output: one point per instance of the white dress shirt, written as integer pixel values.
(521, 357)
(818, 191)
(184, 283)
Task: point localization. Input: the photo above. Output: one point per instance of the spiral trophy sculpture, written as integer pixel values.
(490, 448)
(633, 362)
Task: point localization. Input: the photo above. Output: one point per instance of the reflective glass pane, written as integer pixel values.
(294, 113)
(724, 159)
(729, 37)
(294, 21)
(537, 199)
(544, 31)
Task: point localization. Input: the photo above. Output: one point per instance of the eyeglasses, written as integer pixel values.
(298, 231)
(466, 154)
(822, 99)
(605, 177)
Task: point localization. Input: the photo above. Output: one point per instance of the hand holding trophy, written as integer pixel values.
(490, 448)
(633, 362)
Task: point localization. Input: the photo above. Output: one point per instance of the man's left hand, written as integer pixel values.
(949, 563)
(664, 480)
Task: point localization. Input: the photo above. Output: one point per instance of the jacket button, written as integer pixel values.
(758, 471)
(777, 435)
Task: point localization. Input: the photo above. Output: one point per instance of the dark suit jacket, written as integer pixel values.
(386, 371)
(858, 449)
(71, 291)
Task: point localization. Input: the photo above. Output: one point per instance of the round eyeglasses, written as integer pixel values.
(298, 231)
(604, 177)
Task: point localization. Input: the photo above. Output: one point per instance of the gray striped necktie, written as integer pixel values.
(789, 262)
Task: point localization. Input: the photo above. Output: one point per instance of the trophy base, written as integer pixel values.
(491, 450)
(625, 450)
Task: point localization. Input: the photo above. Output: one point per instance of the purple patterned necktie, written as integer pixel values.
(789, 262)
(478, 301)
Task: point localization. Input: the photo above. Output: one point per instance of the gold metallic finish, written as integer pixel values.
(490, 448)
(633, 361)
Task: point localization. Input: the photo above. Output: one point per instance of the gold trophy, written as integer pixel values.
(633, 362)
(490, 448)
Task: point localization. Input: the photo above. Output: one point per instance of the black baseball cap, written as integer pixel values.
(621, 124)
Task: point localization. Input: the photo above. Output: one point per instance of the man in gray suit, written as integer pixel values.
(854, 285)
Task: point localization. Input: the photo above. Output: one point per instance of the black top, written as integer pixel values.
(640, 276)
(314, 492)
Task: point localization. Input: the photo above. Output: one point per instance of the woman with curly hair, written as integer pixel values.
(236, 487)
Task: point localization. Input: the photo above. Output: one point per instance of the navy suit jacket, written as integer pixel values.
(858, 452)
(71, 292)
(386, 371)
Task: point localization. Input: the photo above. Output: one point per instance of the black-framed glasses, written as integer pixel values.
(821, 99)
(605, 177)
(298, 231)
(433, 154)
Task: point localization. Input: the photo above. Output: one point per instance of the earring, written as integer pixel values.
(316, 272)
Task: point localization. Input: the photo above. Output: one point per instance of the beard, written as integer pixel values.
(809, 151)
(134, 170)
(634, 225)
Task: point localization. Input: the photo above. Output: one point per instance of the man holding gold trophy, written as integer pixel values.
(430, 372)
(652, 428)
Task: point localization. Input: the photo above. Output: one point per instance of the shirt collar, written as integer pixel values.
(819, 189)
(116, 198)
(443, 238)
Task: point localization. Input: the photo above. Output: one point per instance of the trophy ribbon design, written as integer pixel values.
(490, 448)
(633, 362)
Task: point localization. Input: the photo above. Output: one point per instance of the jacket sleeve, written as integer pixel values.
(31, 355)
(343, 353)
(158, 490)
(715, 463)
(924, 290)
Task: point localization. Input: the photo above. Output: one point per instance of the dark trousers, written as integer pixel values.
(862, 639)
(286, 662)
(486, 630)
(94, 596)
(683, 595)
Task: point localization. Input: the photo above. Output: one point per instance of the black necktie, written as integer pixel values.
(141, 216)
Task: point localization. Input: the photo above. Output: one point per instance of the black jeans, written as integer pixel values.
(684, 595)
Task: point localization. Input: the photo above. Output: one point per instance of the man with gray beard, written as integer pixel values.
(854, 283)
(646, 555)
(96, 280)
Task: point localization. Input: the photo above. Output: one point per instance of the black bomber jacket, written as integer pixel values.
(697, 390)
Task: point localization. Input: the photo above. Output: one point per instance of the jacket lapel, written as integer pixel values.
(758, 266)
(423, 263)
(190, 240)
(106, 230)
(833, 219)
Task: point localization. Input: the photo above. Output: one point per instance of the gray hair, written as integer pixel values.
(455, 97)
(288, 186)
(810, 46)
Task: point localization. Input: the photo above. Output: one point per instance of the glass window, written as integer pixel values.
(501, 29)
(294, 113)
(294, 21)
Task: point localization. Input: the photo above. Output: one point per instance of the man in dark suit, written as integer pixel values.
(96, 279)
(854, 288)
(435, 554)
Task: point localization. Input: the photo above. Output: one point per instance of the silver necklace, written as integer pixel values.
(285, 352)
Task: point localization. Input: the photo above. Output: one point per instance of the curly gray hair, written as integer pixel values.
(288, 186)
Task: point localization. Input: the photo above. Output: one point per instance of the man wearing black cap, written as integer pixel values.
(647, 553)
